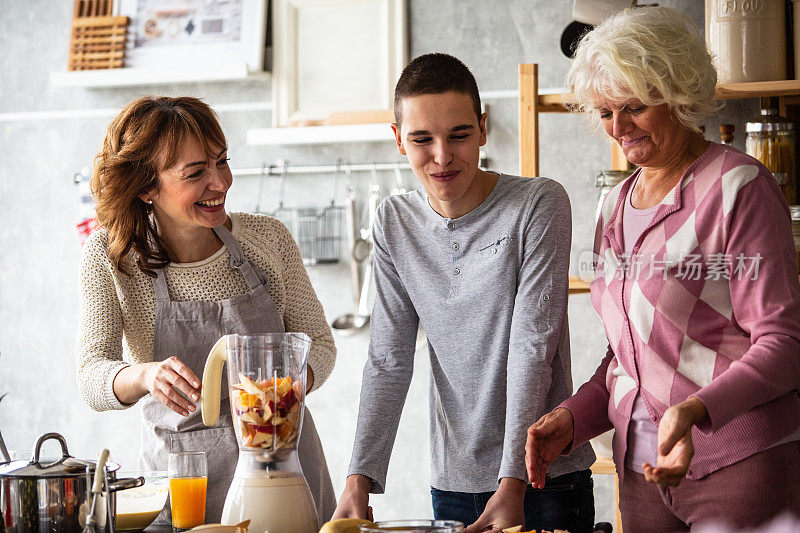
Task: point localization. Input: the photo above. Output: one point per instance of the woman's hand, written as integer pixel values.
(165, 379)
(547, 438)
(675, 447)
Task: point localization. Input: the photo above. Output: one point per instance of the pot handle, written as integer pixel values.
(125, 483)
(47, 436)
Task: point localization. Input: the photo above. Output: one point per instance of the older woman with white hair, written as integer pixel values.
(697, 287)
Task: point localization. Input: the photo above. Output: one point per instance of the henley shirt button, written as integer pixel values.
(456, 271)
(494, 250)
(455, 246)
(451, 225)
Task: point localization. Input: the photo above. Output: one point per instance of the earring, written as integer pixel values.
(150, 202)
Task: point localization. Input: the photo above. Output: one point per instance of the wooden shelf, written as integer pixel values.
(554, 103)
(578, 286)
(137, 77)
(757, 89)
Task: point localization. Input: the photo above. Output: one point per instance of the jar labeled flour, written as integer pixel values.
(747, 39)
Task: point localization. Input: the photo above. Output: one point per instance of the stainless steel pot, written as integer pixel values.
(45, 496)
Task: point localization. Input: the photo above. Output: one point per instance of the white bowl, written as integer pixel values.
(138, 507)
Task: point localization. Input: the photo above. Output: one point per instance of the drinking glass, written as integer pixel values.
(188, 477)
(416, 526)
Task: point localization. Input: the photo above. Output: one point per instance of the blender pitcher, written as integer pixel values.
(267, 383)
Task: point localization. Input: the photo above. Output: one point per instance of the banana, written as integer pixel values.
(344, 525)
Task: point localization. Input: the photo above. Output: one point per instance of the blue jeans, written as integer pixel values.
(565, 502)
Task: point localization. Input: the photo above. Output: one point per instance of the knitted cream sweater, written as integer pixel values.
(117, 312)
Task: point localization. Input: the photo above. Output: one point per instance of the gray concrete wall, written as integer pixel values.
(39, 209)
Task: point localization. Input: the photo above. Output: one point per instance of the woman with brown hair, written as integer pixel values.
(170, 272)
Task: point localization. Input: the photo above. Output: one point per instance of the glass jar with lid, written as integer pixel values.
(771, 140)
(607, 180)
(795, 211)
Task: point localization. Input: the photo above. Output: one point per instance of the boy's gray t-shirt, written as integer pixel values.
(490, 290)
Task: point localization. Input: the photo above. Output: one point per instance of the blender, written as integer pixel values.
(267, 382)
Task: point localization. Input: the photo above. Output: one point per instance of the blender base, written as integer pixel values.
(273, 505)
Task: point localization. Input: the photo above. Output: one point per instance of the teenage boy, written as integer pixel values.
(480, 259)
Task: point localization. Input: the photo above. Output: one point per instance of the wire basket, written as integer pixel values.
(318, 231)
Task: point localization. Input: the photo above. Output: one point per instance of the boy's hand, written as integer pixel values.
(354, 502)
(504, 508)
(547, 438)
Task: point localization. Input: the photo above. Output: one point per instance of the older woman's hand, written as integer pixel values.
(547, 438)
(675, 447)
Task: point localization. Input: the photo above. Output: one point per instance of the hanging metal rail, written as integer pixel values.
(280, 168)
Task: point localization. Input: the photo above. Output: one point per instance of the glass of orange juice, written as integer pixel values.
(188, 476)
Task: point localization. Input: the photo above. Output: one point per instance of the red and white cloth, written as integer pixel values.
(86, 227)
(708, 305)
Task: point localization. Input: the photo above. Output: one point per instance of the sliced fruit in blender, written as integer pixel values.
(267, 411)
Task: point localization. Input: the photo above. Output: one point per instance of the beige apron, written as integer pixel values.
(188, 330)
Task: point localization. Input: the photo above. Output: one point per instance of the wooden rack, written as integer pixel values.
(98, 38)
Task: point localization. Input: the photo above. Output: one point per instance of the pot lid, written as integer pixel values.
(66, 466)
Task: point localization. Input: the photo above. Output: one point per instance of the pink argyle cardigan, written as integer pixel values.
(708, 305)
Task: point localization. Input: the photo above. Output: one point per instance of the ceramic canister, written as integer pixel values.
(747, 39)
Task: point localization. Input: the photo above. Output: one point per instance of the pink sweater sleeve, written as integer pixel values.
(767, 308)
(589, 406)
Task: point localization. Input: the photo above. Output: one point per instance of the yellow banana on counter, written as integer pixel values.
(344, 525)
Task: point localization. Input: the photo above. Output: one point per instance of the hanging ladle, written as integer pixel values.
(350, 323)
(360, 251)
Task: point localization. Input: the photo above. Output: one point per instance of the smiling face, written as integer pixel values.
(441, 136)
(650, 136)
(191, 193)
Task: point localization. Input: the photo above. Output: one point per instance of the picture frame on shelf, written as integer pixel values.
(196, 34)
(354, 68)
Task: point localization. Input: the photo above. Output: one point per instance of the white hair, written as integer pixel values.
(654, 54)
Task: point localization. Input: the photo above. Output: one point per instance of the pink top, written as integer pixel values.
(642, 432)
(714, 313)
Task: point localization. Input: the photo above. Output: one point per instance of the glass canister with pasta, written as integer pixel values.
(771, 140)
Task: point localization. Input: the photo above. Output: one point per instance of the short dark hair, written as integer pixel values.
(435, 74)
